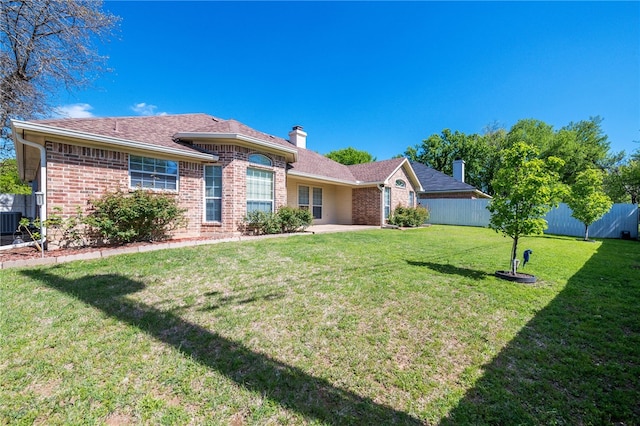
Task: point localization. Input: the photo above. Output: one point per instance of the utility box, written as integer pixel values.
(9, 222)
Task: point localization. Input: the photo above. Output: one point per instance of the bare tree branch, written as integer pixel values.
(46, 44)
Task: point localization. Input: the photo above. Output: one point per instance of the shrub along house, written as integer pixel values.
(218, 170)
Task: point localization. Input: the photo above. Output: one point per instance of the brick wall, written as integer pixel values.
(400, 195)
(367, 202)
(234, 162)
(190, 197)
(77, 174)
(366, 206)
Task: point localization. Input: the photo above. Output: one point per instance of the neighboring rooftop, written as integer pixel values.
(434, 181)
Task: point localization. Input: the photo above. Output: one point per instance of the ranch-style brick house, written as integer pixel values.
(218, 170)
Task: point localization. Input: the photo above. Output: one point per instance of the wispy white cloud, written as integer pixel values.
(73, 111)
(143, 108)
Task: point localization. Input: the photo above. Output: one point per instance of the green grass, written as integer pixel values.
(372, 327)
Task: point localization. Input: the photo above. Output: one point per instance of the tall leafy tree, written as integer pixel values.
(587, 198)
(349, 156)
(589, 148)
(439, 151)
(495, 139)
(533, 132)
(526, 188)
(10, 182)
(582, 145)
(630, 177)
(46, 45)
(623, 183)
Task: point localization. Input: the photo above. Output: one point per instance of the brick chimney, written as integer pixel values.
(458, 170)
(298, 137)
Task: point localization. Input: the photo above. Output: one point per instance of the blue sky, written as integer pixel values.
(377, 76)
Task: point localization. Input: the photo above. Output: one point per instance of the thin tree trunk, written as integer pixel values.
(514, 251)
(586, 232)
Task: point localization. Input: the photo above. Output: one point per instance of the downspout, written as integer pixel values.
(43, 180)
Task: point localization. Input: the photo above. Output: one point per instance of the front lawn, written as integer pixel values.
(369, 327)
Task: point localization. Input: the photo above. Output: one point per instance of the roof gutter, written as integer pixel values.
(111, 141)
(42, 184)
(328, 179)
(455, 191)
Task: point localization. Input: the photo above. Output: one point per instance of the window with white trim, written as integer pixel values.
(400, 183)
(213, 193)
(153, 173)
(261, 159)
(303, 197)
(317, 203)
(387, 202)
(314, 202)
(259, 190)
(411, 199)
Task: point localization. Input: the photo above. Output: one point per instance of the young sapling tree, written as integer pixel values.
(587, 198)
(526, 188)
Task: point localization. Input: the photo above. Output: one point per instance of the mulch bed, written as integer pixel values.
(26, 253)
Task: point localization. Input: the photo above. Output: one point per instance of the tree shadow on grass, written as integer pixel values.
(312, 397)
(577, 361)
(450, 269)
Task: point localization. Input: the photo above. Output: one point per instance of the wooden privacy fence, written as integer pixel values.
(621, 218)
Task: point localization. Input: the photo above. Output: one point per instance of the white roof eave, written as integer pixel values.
(292, 152)
(108, 140)
(334, 180)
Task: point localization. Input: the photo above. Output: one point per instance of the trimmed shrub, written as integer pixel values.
(259, 223)
(286, 219)
(293, 220)
(119, 217)
(409, 216)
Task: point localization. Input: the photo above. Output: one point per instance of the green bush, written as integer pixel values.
(286, 219)
(69, 232)
(293, 220)
(409, 216)
(259, 222)
(119, 217)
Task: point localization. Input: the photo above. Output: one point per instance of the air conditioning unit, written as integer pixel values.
(9, 222)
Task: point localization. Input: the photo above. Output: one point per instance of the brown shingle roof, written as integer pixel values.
(160, 130)
(312, 163)
(156, 130)
(375, 172)
(234, 126)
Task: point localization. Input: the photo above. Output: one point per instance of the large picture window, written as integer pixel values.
(153, 173)
(259, 190)
(213, 193)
